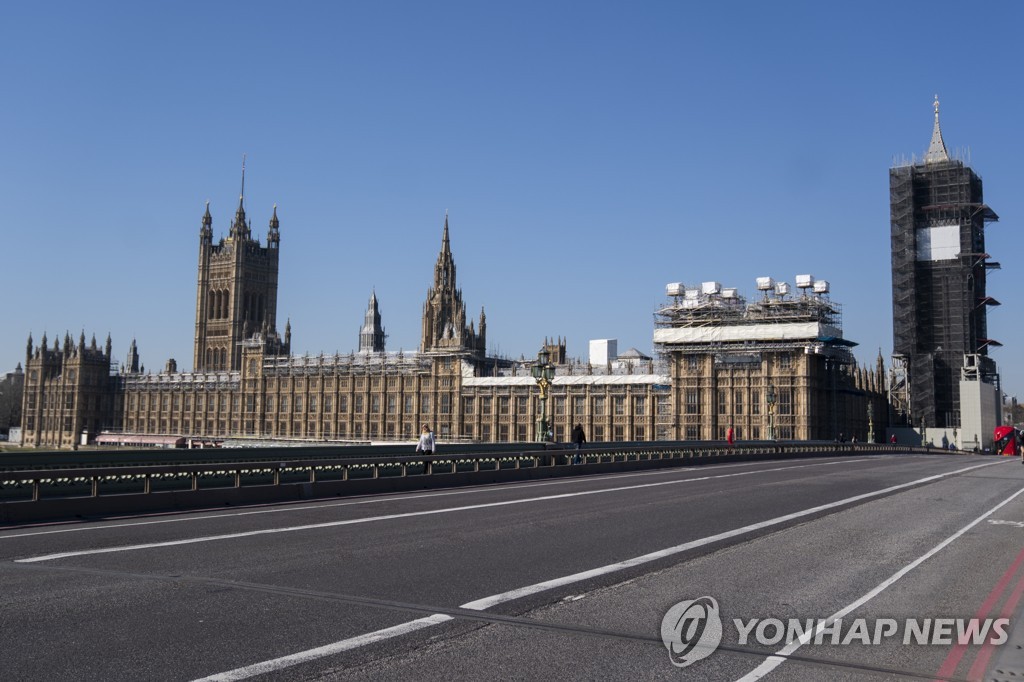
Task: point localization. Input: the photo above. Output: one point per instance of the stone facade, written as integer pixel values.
(236, 294)
(68, 391)
(247, 385)
(813, 399)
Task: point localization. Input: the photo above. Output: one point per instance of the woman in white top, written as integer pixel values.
(426, 444)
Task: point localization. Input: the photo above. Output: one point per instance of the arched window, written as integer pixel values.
(211, 305)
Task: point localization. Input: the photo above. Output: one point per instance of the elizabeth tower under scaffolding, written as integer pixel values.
(939, 266)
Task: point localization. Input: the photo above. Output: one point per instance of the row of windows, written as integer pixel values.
(300, 428)
(410, 383)
(285, 428)
(216, 358)
(738, 402)
(285, 404)
(782, 432)
(376, 402)
(739, 405)
(218, 305)
(95, 378)
(294, 426)
(485, 405)
(502, 405)
(522, 432)
(53, 401)
(48, 423)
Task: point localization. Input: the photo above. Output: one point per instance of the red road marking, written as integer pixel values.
(981, 663)
(953, 659)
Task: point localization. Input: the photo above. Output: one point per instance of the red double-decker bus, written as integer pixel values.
(1008, 440)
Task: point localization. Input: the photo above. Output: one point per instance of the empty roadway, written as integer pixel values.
(566, 577)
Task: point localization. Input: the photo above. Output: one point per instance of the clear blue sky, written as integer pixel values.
(588, 153)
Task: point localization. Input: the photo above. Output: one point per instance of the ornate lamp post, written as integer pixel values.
(543, 372)
(770, 398)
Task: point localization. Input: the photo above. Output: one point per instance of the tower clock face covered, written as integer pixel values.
(939, 277)
(939, 243)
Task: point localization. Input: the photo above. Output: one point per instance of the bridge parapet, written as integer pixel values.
(28, 495)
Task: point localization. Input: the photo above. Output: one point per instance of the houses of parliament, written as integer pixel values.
(247, 385)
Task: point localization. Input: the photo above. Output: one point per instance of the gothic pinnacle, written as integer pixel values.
(937, 148)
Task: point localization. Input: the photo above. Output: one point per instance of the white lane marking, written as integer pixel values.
(396, 497)
(774, 661)
(327, 650)
(1001, 522)
(401, 515)
(487, 602)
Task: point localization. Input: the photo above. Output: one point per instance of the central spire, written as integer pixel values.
(241, 195)
(240, 227)
(937, 149)
(445, 246)
(444, 271)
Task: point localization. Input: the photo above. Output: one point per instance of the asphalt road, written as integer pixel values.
(567, 578)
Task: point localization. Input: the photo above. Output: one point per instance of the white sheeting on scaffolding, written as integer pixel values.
(784, 331)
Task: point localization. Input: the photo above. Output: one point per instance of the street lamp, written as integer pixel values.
(770, 398)
(543, 372)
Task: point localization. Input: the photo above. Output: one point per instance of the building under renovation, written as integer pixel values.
(943, 378)
(774, 368)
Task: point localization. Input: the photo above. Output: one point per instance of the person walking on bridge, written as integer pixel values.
(426, 443)
(579, 438)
